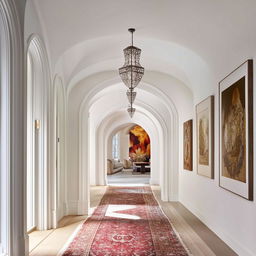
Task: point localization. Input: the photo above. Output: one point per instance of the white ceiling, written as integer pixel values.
(180, 37)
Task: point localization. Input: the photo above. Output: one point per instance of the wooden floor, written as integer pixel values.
(199, 240)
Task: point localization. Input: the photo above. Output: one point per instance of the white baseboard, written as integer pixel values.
(72, 207)
(77, 207)
(83, 208)
(62, 211)
(26, 238)
(174, 198)
(227, 238)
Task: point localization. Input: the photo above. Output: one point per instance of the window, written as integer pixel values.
(116, 146)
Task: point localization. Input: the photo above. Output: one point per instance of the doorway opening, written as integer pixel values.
(36, 116)
(31, 152)
(128, 162)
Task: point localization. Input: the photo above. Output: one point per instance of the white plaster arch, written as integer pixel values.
(13, 237)
(112, 124)
(166, 167)
(40, 97)
(171, 132)
(4, 132)
(58, 176)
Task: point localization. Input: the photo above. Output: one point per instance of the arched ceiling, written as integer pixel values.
(105, 53)
(112, 100)
(183, 38)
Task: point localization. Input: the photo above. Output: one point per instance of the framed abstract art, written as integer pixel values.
(188, 145)
(205, 137)
(236, 131)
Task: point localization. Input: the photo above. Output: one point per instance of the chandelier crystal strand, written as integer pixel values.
(131, 95)
(131, 111)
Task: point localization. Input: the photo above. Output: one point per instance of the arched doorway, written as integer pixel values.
(37, 130)
(59, 176)
(116, 121)
(128, 156)
(161, 127)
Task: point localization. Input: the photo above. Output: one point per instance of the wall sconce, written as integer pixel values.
(37, 124)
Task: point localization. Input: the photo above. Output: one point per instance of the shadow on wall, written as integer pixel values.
(139, 149)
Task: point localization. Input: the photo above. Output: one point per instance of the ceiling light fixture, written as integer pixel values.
(131, 95)
(131, 111)
(131, 72)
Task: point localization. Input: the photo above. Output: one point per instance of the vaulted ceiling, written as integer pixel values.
(185, 39)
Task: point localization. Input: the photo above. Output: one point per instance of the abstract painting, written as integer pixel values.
(139, 150)
(236, 121)
(205, 137)
(188, 145)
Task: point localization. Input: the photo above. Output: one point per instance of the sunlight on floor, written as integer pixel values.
(114, 208)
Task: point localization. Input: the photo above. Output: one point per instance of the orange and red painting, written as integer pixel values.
(139, 150)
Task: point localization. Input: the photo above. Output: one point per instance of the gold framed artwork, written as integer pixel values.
(205, 137)
(188, 145)
(236, 131)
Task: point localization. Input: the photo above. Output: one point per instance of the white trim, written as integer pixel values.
(72, 207)
(42, 84)
(58, 207)
(4, 133)
(16, 239)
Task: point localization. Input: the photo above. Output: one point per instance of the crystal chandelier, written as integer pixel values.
(131, 95)
(131, 72)
(131, 111)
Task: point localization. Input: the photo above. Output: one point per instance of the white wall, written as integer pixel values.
(228, 215)
(124, 144)
(50, 109)
(34, 26)
(60, 130)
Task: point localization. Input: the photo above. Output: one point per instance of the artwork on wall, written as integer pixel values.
(188, 145)
(205, 137)
(139, 150)
(236, 131)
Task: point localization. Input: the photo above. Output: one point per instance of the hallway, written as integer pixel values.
(91, 90)
(196, 236)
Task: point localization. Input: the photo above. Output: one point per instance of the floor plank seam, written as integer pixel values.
(30, 252)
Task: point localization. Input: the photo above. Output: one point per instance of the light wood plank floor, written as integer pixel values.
(199, 239)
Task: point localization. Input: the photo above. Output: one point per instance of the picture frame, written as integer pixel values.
(205, 137)
(236, 131)
(188, 145)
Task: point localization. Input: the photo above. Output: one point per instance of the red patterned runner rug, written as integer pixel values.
(127, 222)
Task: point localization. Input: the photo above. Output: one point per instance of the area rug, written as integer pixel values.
(127, 222)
